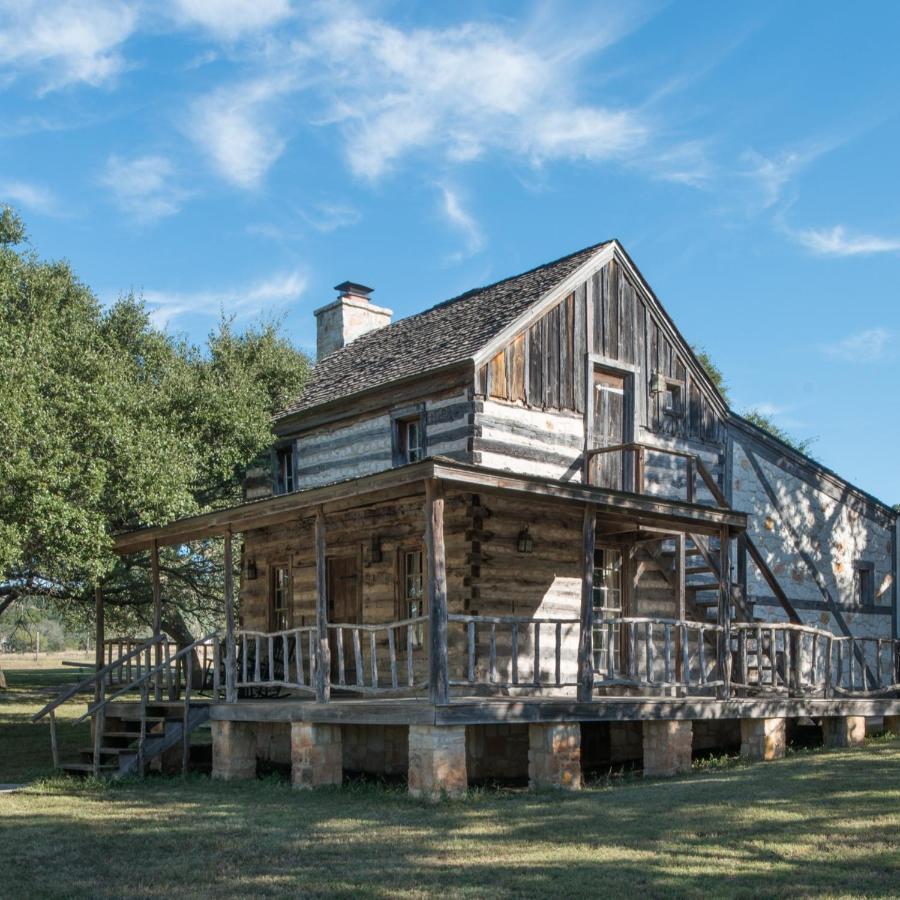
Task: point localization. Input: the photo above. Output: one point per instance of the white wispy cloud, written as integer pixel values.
(462, 91)
(770, 176)
(838, 241)
(462, 221)
(34, 197)
(66, 41)
(235, 127)
(231, 19)
(144, 186)
(259, 296)
(871, 345)
(328, 217)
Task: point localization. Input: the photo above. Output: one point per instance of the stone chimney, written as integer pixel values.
(350, 316)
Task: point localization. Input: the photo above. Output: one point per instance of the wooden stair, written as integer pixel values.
(119, 754)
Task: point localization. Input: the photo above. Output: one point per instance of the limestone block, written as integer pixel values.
(667, 747)
(763, 739)
(316, 755)
(437, 761)
(554, 755)
(233, 750)
(844, 731)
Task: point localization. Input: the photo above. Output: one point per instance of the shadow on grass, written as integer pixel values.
(817, 823)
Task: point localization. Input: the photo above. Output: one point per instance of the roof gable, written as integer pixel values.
(454, 331)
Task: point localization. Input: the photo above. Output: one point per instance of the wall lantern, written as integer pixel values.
(375, 554)
(657, 383)
(524, 543)
(251, 570)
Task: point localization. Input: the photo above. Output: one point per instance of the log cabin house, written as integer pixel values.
(518, 535)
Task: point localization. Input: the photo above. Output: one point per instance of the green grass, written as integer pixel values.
(815, 823)
(25, 748)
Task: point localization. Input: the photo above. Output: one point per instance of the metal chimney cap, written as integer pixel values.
(354, 289)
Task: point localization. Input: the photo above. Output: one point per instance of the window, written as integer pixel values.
(408, 435)
(284, 470)
(865, 582)
(411, 444)
(280, 598)
(607, 604)
(411, 587)
(672, 404)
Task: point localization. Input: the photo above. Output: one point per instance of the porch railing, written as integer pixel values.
(515, 651)
(285, 659)
(379, 658)
(803, 660)
(637, 454)
(654, 652)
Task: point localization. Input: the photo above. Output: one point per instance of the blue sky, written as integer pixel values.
(247, 155)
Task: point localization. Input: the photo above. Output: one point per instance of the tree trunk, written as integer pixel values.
(176, 628)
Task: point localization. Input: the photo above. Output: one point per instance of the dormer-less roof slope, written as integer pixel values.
(451, 332)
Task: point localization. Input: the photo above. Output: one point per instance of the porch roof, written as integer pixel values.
(642, 511)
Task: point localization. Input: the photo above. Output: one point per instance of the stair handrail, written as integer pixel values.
(93, 678)
(159, 668)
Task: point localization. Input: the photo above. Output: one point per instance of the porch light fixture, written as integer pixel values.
(375, 554)
(525, 543)
(657, 383)
(251, 570)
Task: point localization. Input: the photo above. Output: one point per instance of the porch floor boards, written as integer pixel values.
(484, 711)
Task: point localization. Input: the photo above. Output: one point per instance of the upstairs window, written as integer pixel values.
(284, 470)
(672, 402)
(408, 438)
(864, 582)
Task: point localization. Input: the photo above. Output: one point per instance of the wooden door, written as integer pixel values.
(344, 607)
(609, 428)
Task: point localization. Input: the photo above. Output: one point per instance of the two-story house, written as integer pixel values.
(521, 534)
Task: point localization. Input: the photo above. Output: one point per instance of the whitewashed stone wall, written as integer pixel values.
(834, 535)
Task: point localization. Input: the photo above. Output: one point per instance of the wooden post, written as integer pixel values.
(100, 648)
(323, 654)
(742, 567)
(230, 652)
(681, 602)
(586, 636)
(157, 617)
(724, 610)
(439, 669)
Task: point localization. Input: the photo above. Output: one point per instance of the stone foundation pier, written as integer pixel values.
(233, 750)
(763, 739)
(554, 755)
(844, 731)
(316, 755)
(437, 761)
(667, 747)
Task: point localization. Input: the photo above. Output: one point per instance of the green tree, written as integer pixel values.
(108, 423)
(755, 416)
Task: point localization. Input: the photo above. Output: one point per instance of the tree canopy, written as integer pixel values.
(108, 423)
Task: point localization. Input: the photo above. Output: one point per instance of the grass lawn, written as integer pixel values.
(824, 823)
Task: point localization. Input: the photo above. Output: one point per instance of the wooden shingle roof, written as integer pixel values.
(451, 332)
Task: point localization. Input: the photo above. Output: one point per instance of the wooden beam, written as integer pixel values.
(230, 646)
(586, 635)
(439, 688)
(100, 624)
(323, 653)
(724, 617)
(680, 600)
(157, 615)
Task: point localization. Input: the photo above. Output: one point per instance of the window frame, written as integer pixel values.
(400, 421)
(401, 581)
(288, 589)
(279, 451)
(864, 582)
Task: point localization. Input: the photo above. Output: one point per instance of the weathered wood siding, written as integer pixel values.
(536, 389)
